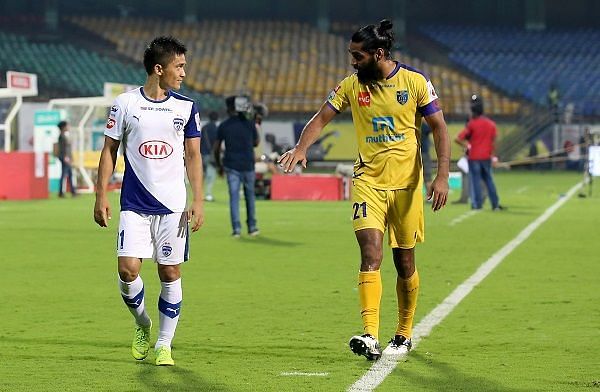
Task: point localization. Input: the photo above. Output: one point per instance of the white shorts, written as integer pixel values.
(163, 238)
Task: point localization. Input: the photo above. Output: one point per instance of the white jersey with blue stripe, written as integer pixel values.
(152, 134)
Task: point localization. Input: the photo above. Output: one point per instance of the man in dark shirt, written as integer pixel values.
(240, 137)
(209, 137)
(65, 156)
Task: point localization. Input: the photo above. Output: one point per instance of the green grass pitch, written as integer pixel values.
(257, 308)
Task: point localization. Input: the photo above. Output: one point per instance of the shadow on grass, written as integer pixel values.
(441, 376)
(262, 240)
(174, 378)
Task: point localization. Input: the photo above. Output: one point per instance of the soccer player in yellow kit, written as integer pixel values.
(388, 101)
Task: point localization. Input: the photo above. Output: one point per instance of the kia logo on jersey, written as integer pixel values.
(364, 98)
(155, 149)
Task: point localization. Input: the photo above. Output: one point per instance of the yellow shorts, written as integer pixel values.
(400, 211)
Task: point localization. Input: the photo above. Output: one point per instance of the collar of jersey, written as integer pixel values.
(394, 71)
(152, 100)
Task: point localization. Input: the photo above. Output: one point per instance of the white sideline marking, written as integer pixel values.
(384, 366)
(464, 216)
(324, 374)
(522, 189)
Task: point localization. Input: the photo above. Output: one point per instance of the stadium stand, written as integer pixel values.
(527, 63)
(290, 66)
(67, 70)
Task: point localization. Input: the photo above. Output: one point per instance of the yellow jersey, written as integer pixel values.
(387, 118)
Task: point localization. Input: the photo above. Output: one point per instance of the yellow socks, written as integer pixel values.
(369, 291)
(407, 291)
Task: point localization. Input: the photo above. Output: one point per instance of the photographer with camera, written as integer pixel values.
(240, 136)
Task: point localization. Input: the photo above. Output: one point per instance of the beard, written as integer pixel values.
(369, 73)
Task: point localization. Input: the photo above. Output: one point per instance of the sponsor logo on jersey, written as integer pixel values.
(166, 250)
(178, 123)
(155, 149)
(402, 97)
(384, 128)
(383, 124)
(364, 98)
(110, 123)
(389, 85)
(431, 90)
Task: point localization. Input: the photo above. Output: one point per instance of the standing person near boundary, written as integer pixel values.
(207, 142)
(64, 154)
(388, 101)
(160, 132)
(478, 139)
(240, 136)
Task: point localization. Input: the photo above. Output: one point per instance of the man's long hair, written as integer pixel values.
(373, 37)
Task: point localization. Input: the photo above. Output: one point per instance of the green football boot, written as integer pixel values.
(141, 342)
(163, 356)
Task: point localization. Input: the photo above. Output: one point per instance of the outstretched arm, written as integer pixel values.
(439, 187)
(106, 166)
(310, 134)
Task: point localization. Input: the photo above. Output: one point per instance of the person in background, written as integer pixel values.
(64, 154)
(478, 139)
(209, 137)
(240, 136)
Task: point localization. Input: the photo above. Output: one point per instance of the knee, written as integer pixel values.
(168, 273)
(127, 274)
(371, 258)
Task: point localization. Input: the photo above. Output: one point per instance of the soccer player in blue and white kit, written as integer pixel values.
(160, 133)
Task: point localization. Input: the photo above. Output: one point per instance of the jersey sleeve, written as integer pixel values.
(338, 97)
(427, 99)
(192, 127)
(115, 124)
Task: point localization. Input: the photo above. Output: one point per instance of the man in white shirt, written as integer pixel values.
(160, 133)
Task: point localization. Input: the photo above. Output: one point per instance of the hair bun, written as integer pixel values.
(384, 26)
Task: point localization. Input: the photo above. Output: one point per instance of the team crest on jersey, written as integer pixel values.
(402, 97)
(178, 123)
(166, 250)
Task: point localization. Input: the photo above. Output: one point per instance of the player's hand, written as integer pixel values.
(195, 215)
(289, 159)
(438, 190)
(102, 213)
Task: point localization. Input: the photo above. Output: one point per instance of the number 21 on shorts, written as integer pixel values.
(360, 210)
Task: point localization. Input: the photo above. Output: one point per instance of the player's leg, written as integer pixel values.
(233, 184)
(169, 306)
(406, 228)
(171, 241)
(249, 179)
(133, 244)
(368, 216)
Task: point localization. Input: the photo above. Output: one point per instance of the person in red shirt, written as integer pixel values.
(478, 139)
